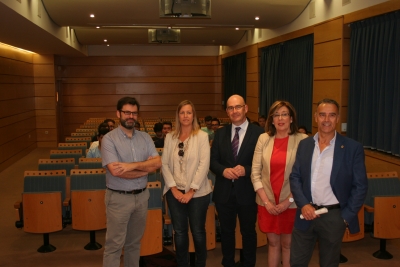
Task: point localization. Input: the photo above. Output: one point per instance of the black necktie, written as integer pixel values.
(235, 143)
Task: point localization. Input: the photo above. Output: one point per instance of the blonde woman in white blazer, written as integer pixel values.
(185, 164)
(273, 160)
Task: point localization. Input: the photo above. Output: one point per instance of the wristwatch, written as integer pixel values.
(291, 199)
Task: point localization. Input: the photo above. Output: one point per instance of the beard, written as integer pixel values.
(128, 124)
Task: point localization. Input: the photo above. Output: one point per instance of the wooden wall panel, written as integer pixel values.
(328, 73)
(328, 54)
(141, 71)
(327, 89)
(328, 31)
(45, 100)
(92, 86)
(252, 89)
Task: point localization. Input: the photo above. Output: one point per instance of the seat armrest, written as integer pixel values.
(67, 202)
(368, 208)
(167, 219)
(18, 204)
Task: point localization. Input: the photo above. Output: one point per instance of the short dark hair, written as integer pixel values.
(167, 123)
(207, 118)
(263, 117)
(127, 100)
(107, 120)
(103, 131)
(303, 127)
(102, 125)
(216, 119)
(328, 101)
(158, 127)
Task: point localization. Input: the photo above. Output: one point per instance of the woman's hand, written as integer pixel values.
(281, 207)
(176, 193)
(187, 197)
(271, 208)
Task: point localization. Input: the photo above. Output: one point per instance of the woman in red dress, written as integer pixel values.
(273, 160)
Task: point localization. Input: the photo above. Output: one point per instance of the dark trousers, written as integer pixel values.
(227, 213)
(329, 230)
(195, 211)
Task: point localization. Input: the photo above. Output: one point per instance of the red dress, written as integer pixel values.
(282, 223)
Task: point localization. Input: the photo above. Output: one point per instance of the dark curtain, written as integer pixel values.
(374, 98)
(235, 76)
(286, 73)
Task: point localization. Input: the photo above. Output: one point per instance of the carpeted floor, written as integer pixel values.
(18, 249)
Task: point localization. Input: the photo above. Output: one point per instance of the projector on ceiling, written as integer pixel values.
(185, 8)
(164, 36)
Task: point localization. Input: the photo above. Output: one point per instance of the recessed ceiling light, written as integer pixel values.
(108, 45)
(92, 15)
(237, 29)
(98, 27)
(257, 18)
(105, 40)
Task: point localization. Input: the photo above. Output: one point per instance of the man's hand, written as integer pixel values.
(123, 167)
(230, 173)
(308, 212)
(240, 170)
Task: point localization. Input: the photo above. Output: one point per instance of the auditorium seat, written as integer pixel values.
(79, 139)
(152, 240)
(73, 146)
(382, 206)
(41, 210)
(62, 154)
(90, 163)
(57, 164)
(87, 203)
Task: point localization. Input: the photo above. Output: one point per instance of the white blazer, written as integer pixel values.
(198, 163)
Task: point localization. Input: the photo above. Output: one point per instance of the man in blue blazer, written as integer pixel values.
(231, 158)
(329, 171)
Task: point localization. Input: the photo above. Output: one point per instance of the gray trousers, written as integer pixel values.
(126, 222)
(328, 230)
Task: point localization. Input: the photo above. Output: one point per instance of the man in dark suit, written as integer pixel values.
(329, 171)
(231, 158)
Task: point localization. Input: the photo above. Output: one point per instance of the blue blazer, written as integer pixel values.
(348, 179)
(222, 157)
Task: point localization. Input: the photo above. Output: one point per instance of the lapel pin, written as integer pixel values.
(342, 146)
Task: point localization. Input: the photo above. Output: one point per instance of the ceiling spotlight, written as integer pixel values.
(257, 18)
(169, 27)
(237, 29)
(108, 45)
(92, 15)
(98, 27)
(105, 40)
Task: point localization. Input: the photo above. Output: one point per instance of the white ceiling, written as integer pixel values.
(125, 22)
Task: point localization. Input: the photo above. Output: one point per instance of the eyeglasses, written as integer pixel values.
(181, 152)
(128, 113)
(283, 115)
(214, 124)
(231, 108)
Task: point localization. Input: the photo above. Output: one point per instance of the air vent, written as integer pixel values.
(185, 8)
(164, 36)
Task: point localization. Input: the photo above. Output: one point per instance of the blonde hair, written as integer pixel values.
(178, 127)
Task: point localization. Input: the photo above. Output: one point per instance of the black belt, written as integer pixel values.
(329, 207)
(133, 192)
